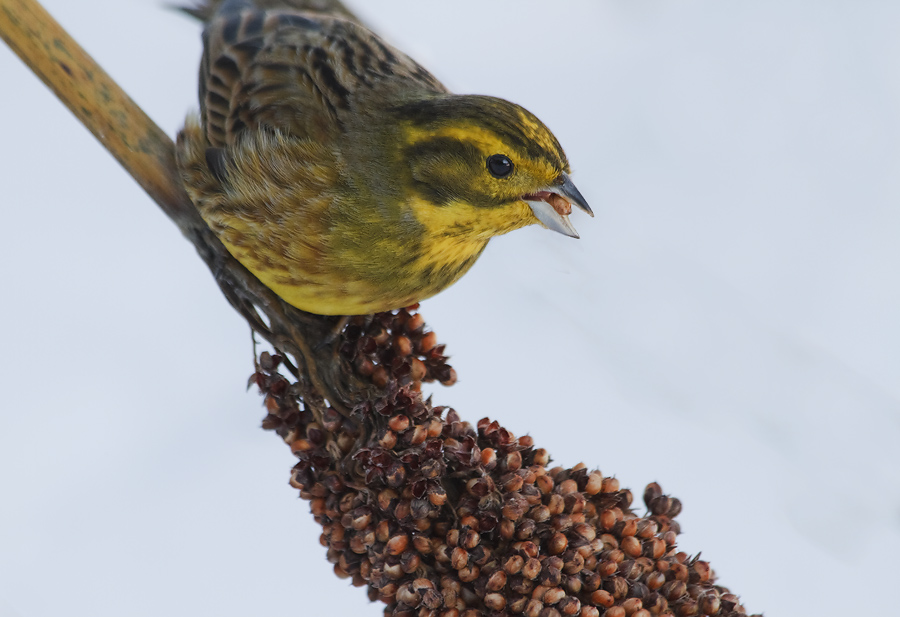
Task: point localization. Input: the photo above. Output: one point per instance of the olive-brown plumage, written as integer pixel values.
(342, 173)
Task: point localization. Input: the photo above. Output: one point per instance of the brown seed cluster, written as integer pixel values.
(438, 518)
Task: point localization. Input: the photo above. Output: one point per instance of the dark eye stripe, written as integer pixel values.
(432, 165)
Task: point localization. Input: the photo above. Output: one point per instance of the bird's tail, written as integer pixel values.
(205, 10)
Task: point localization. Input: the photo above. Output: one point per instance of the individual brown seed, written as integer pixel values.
(469, 574)
(514, 564)
(629, 527)
(674, 508)
(489, 458)
(532, 569)
(408, 595)
(437, 496)
(520, 585)
(627, 569)
(513, 483)
(513, 461)
(674, 590)
(573, 584)
(608, 519)
(679, 571)
(541, 457)
(610, 485)
(450, 379)
(525, 529)
(617, 586)
(496, 581)
(388, 439)
(631, 546)
(589, 611)
(568, 486)
(569, 605)
(588, 532)
(467, 520)
(428, 342)
(687, 608)
(399, 423)
(651, 492)
(557, 543)
(435, 428)
(410, 561)
(393, 572)
(442, 553)
(670, 538)
(418, 370)
(632, 605)
(646, 528)
(299, 446)
(432, 600)
(700, 571)
(574, 562)
(402, 345)
(615, 611)
(607, 567)
(654, 548)
(603, 598)
(453, 537)
(556, 505)
(533, 608)
(422, 544)
(415, 322)
(527, 548)
(539, 514)
(553, 595)
(516, 604)
(709, 604)
(495, 601)
(641, 613)
(459, 558)
(594, 483)
(655, 580)
(417, 435)
(383, 531)
(729, 602)
(656, 603)
(544, 484)
(387, 498)
(470, 539)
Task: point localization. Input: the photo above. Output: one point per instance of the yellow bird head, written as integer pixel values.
(490, 155)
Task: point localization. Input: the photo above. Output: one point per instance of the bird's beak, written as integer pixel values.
(553, 205)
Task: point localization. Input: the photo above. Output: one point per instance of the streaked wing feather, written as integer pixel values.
(300, 73)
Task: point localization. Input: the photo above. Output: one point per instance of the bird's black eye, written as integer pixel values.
(499, 165)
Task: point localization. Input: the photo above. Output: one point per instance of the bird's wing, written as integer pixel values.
(301, 73)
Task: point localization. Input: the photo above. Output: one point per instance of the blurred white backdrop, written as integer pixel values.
(727, 325)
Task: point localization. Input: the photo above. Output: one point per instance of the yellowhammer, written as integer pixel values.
(343, 174)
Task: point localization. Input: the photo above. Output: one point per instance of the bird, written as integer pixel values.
(343, 174)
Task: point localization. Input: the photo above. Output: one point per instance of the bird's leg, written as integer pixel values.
(335, 331)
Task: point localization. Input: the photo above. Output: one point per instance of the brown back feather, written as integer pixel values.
(300, 72)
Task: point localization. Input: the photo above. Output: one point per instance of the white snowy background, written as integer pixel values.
(728, 325)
